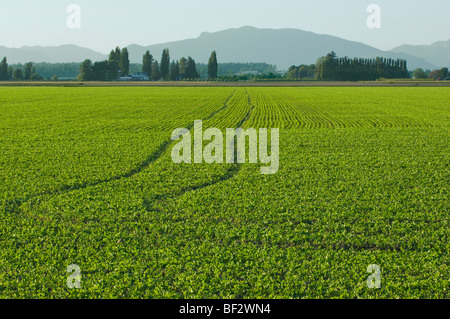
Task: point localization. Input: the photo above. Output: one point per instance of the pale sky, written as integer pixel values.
(106, 24)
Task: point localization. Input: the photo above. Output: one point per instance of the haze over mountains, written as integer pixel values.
(437, 53)
(51, 54)
(281, 47)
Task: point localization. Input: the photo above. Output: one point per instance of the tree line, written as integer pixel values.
(441, 74)
(8, 73)
(176, 70)
(327, 68)
(118, 65)
(69, 71)
(108, 70)
(332, 68)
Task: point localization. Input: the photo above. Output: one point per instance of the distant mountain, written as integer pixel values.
(437, 53)
(282, 47)
(59, 54)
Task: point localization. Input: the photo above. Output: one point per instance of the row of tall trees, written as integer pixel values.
(328, 68)
(28, 73)
(117, 65)
(175, 70)
(98, 71)
(183, 69)
(120, 59)
(332, 68)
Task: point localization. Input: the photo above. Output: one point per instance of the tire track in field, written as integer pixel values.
(14, 204)
(229, 174)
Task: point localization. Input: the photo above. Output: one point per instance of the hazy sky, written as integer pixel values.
(108, 23)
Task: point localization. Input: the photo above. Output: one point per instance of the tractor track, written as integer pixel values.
(229, 174)
(13, 205)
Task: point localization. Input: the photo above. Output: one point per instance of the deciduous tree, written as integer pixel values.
(18, 74)
(419, 74)
(85, 71)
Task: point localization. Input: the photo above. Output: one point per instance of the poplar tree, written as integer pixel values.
(174, 71)
(147, 62)
(212, 66)
(156, 74)
(117, 55)
(165, 63)
(191, 69)
(182, 66)
(124, 63)
(28, 71)
(4, 70)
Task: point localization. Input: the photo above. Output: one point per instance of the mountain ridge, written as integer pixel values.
(437, 53)
(66, 53)
(281, 47)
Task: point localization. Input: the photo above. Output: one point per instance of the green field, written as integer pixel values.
(87, 178)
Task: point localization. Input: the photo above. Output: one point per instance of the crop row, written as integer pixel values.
(87, 179)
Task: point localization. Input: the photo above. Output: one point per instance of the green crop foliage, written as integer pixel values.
(87, 178)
